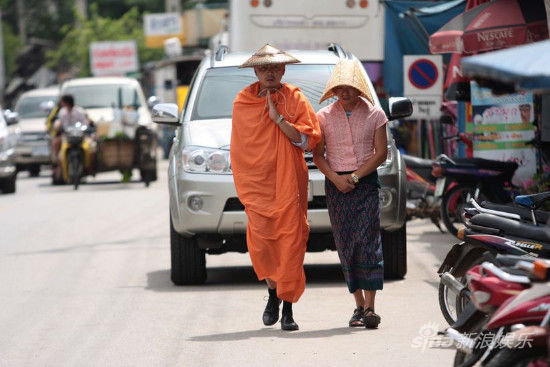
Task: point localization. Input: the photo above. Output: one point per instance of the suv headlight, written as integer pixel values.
(206, 160)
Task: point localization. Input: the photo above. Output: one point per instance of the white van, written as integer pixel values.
(115, 104)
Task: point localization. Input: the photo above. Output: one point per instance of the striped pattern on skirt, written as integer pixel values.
(355, 220)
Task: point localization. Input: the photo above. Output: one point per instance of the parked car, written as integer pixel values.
(8, 137)
(206, 217)
(33, 148)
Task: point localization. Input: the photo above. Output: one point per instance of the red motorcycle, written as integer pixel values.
(517, 304)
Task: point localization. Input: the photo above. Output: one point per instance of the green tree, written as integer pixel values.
(74, 48)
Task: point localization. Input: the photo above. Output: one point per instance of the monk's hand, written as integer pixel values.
(342, 184)
(273, 113)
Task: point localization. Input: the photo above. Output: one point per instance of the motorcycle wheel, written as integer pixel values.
(74, 167)
(450, 304)
(452, 205)
(460, 357)
(518, 357)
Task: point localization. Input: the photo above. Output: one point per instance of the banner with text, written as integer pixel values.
(501, 126)
(162, 26)
(117, 58)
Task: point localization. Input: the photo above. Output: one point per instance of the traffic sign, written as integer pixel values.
(423, 73)
(423, 84)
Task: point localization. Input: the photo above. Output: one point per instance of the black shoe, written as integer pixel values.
(371, 319)
(271, 312)
(287, 322)
(357, 317)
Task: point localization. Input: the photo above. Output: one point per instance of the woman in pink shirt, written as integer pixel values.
(355, 143)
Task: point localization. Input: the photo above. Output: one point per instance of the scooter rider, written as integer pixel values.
(69, 114)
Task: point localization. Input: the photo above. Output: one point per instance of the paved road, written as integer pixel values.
(85, 282)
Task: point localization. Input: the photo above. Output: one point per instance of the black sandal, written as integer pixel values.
(357, 318)
(371, 319)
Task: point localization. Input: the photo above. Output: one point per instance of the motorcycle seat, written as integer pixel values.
(512, 227)
(542, 217)
(507, 167)
(532, 201)
(416, 162)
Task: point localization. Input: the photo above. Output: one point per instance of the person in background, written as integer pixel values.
(273, 123)
(68, 115)
(354, 136)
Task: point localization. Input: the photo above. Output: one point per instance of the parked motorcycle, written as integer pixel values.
(496, 232)
(477, 178)
(515, 301)
(421, 202)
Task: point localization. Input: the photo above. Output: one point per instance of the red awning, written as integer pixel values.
(491, 26)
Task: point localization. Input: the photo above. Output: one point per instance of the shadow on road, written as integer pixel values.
(237, 277)
(276, 333)
(97, 185)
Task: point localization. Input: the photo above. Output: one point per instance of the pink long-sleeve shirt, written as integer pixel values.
(349, 142)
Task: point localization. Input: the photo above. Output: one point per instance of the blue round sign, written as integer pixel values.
(423, 73)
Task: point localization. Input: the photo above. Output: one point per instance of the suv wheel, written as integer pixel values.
(188, 260)
(394, 247)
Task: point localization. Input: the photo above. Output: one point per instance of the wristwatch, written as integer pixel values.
(280, 119)
(354, 178)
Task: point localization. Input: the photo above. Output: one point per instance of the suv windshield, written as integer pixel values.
(104, 96)
(29, 107)
(221, 85)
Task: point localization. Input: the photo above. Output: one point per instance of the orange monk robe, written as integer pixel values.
(271, 179)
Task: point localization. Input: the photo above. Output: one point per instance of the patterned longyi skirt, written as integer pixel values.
(355, 220)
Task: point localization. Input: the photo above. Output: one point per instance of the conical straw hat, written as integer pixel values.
(269, 55)
(347, 72)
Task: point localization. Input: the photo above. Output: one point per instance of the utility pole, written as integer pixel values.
(21, 21)
(172, 6)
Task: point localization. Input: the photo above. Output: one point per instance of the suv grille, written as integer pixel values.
(235, 205)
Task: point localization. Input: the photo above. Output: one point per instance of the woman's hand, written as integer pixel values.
(342, 183)
(273, 113)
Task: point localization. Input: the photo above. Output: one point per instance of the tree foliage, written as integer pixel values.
(12, 45)
(43, 19)
(73, 50)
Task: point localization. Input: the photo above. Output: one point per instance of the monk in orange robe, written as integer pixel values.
(273, 124)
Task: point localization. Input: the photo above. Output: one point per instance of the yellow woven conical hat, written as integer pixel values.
(269, 55)
(347, 72)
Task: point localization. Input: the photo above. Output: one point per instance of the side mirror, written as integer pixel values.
(166, 114)
(399, 107)
(152, 101)
(12, 118)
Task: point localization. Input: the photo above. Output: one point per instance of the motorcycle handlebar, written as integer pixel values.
(443, 158)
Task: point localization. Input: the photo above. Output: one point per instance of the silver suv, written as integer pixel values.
(206, 217)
